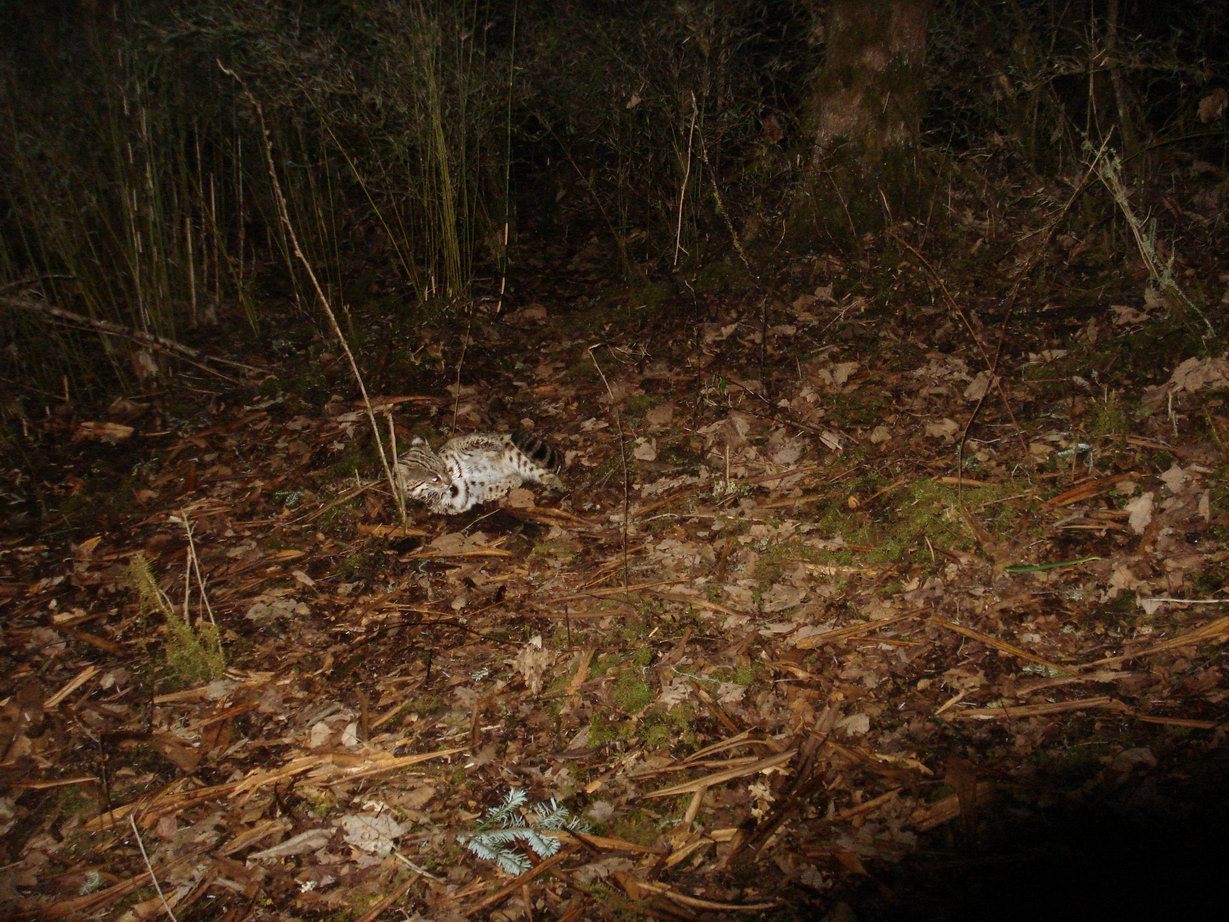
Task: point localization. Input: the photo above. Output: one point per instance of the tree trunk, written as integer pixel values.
(862, 119)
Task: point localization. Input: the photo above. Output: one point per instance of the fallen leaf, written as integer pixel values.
(102, 432)
(304, 843)
(1141, 512)
(645, 449)
(946, 429)
(532, 661)
(371, 832)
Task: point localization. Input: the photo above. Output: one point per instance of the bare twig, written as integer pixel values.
(392, 434)
(1143, 230)
(107, 328)
(456, 402)
(194, 566)
(1024, 272)
(1186, 601)
(503, 253)
(678, 227)
(742, 254)
(501, 894)
(991, 362)
(149, 867)
(721, 210)
(614, 405)
(284, 215)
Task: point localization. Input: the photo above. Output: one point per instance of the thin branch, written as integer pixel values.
(1024, 272)
(721, 210)
(149, 867)
(614, 405)
(109, 328)
(1143, 231)
(678, 227)
(284, 215)
(456, 403)
(991, 363)
(195, 566)
(1187, 601)
(503, 253)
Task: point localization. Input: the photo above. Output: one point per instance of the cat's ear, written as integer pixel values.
(417, 440)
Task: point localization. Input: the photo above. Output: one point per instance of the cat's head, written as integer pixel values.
(422, 475)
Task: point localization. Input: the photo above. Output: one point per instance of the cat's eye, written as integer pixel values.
(435, 478)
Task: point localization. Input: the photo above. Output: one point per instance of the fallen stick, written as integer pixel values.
(109, 328)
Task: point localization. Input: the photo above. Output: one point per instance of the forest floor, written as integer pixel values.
(845, 611)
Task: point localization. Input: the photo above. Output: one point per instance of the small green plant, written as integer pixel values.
(193, 653)
(632, 693)
(664, 729)
(635, 406)
(602, 731)
(1108, 419)
(506, 824)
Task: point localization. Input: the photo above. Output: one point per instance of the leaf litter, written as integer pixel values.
(800, 645)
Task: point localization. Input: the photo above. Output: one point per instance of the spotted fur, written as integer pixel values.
(473, 469)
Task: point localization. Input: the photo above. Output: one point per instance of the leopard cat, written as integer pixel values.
(473, 469)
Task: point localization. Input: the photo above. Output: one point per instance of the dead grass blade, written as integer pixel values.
(1210, 631)
(429, 553)
(637, 889)
(609, 844)
(329, 769)
(617, 590)
(698, 601)
(547, 515)
(1103, 702)
(1039, 710)
(511, 887)
(49, 783)
(699, 784)
(1088, 489)
(1001, 645)
(94, 902)
(853, 630)
(77, 681)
